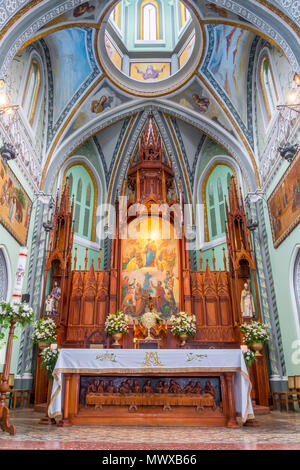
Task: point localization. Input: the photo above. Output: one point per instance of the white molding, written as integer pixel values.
(212, 243)
(86, 243)
(9, 276)
(292, 288)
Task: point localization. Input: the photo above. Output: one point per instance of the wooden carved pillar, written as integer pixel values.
(65, 421)
(231, 411)
(115, 265)
(4, 387)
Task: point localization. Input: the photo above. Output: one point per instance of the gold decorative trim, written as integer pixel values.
(80, 163)
(17, 16)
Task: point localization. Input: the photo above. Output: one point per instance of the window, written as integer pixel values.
(31, 91)
(217, 186)
(82, 187)
(115, 15)
(297, 284)
(184, 15)
(268, 88)
(149, 21)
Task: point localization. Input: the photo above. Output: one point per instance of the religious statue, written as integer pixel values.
(197, 389)
(93, 387)
(209, 388)
(100, 388)
(159, 387)
(136, 387)
(189, 388)
(125, 387)
(165, 387)
(55, 298)
(49, 304)
(110, 388)
(247, 304)
(147, 388)
(174, 387)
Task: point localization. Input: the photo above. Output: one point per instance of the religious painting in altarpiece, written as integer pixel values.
(150, 267)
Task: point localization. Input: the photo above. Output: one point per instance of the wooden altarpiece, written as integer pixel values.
(88, 295)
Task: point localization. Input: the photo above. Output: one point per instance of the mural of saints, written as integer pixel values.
(150, 267)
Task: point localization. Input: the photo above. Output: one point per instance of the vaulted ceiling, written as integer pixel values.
(212, 106)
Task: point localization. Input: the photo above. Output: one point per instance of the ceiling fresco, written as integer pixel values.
(81, 95)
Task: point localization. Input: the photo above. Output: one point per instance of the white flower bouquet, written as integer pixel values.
(49, 358)
(254, 332)
(17, 313)
(183, 323)
(44, 329)
(117, 323)
(249, 357)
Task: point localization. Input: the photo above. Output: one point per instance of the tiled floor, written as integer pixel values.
(276, 431)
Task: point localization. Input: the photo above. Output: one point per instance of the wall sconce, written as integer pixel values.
(5, 107)
(293, 98)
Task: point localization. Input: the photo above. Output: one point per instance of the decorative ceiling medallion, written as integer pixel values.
(147, 61)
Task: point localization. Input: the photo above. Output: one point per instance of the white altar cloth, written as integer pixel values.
(131, 361)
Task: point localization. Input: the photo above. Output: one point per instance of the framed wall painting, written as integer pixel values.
(284, 203)
(15, 205)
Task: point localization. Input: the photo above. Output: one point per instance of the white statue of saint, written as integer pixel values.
(49, 304)
(247, 304)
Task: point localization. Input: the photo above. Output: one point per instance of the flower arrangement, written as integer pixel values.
(116, 323)
(16, 313)
(49, 358)
(249, 357)
(255, 332)
(44, 329)
(183, 323)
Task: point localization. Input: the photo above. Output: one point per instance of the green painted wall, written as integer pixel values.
(281, 259)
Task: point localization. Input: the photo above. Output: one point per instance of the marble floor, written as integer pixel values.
(275, 431)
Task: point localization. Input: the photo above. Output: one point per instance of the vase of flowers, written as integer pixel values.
(183, 325)
(255, 335)
(116, 325)
(44, 332)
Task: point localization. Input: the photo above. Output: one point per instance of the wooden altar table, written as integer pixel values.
(77, 370)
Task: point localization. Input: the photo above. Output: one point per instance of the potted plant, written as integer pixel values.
(44, 332)
(255, 335)
(116, 325)
(183, 325)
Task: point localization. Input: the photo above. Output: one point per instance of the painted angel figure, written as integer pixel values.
(247, 304)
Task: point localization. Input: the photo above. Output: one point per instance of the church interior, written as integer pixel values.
(149, 224)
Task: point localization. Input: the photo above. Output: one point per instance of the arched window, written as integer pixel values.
(149, 21)
(81, 186)
(115, 15)
(216, 189)
(268, 87)
(31, 91)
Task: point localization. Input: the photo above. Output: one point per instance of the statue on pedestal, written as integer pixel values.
(247, 304)
(52, 301)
